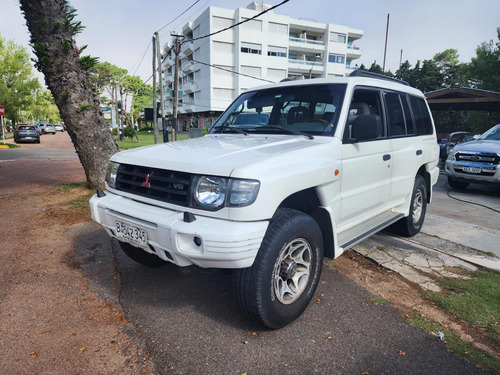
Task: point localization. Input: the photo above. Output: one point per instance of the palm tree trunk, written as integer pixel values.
(52, 27)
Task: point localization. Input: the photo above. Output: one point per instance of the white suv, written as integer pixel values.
(338, 160)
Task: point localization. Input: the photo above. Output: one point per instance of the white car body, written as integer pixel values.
(359, 188)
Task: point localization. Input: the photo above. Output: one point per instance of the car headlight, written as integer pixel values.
(111, 173)
(451, 154)
(212, 193)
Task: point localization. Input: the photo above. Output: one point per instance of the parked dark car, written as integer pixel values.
(26, 133)
(442, 144)
(452, 140)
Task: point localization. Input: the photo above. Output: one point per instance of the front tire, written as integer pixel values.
(457, 184)
(411, 225)
(141, 256)
(277, 288)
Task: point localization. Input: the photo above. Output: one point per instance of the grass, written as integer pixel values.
(475, 301)
(145, 139)
(9, 145)
(457, 346)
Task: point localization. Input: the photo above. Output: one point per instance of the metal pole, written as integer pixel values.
(155, 115)
(386, 35)
(177, 49)
(400, 59)
(118, 115)
(160, 83)
(3, 128)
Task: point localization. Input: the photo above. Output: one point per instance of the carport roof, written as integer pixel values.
(463, 99)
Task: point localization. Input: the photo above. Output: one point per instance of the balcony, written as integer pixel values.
(304, 66)
(187, 47)
(187, 66)
(189, 87)
(353, 52)
(306, 45)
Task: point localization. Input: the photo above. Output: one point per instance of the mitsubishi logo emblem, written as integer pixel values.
(146, 182)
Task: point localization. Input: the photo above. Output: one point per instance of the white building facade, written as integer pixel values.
(215, 70)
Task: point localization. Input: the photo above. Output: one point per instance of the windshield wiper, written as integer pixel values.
(232, 128)
(289, 131)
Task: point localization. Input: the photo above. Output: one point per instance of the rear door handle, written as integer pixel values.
(387, 157)
(419, 152)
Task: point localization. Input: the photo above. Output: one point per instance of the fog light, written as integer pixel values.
(197, 241)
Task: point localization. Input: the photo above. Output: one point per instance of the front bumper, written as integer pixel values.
(489, 173)
(224, 243)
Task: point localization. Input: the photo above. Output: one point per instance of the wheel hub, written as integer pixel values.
(288, 269)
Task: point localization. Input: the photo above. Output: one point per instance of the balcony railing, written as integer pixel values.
(305, 62)
(356, 48)
(307, 41)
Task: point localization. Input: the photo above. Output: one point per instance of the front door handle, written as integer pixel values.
(387, 157)
(419, 152)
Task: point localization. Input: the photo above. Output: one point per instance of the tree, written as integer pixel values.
(17, 83)
(450, 67)
(44, 108)
(52, 26)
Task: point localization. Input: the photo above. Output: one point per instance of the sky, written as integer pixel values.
(120, 31)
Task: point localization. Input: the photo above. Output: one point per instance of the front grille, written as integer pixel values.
(160, 184)
(482, 158)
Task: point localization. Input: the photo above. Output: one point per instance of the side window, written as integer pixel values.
(423, 123)
(410, 128)
(364, 121)
(395, 115)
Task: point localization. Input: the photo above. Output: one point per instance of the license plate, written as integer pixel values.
(474, 170)
(132, 234)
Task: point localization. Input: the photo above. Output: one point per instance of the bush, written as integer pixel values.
(115, 131)
(146, 128)
(129, 132)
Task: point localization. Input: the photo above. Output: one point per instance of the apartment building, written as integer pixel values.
(214, 70)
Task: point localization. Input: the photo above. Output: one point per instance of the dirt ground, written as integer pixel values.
(50, 321)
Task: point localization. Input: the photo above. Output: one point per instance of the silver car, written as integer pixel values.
(475, 161)
(49, 128)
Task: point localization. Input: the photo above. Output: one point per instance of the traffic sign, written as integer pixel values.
(2, 110)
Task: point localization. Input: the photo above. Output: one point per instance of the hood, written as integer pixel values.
(489, 146)
(216, 154)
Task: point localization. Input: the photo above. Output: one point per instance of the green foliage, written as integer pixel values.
(41, 23)
(56, 26)
(39, 48)
(45, 61)
(115, 131)
(129, 132)
(84, 106)
(70, 16)
(66, 45)
(88, 62)
(64, 96)
(77, 27)
(146, 129)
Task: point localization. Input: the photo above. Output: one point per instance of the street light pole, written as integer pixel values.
(177, 50)
(155, 114)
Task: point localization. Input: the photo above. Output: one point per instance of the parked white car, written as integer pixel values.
(338, 160)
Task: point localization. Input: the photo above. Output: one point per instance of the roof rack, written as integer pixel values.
(364, 73)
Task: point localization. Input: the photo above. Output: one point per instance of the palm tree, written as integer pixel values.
(53, 26)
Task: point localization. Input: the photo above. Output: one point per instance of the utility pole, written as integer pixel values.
(386, 35)
(118, 114)
(400, 59)
(155, 115)
(177, 50)
(160, 83)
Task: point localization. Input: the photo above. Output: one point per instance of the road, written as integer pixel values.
(190, 323)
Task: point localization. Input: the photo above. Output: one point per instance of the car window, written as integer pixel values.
(365, 119)
(423, 122)
(492, 134)
(311, 109)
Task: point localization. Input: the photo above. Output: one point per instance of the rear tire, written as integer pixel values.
(277, 288)
(410, 226)
(141, 256)
(457, 184)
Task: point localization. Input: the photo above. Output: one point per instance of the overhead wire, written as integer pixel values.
(237, 24)
(142, 58)
(232, 71)
(180, 15)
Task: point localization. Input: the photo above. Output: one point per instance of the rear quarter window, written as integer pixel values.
(423, 122)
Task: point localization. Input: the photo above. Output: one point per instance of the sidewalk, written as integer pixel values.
(444, 248)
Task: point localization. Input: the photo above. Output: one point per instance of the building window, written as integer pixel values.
(221, 47)
(253, 71)
(337, 59)
(252, 48)
(276, 74)
(221, 23)
(337, 37)
(276, 51)
(255, 25)
(277, 28)
(221, 93)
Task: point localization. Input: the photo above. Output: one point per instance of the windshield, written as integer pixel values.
(309, 109)
(492, 134)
